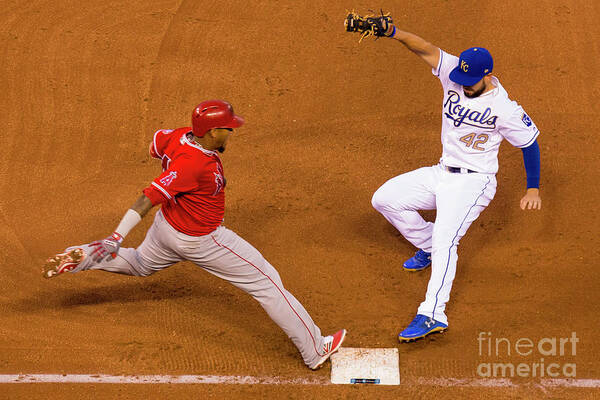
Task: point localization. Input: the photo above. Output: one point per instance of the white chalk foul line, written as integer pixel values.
(153, 379)
(508, 383)
(255, 380)
(582, 383)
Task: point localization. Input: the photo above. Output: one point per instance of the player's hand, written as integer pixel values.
(106, 248)
(531, 200)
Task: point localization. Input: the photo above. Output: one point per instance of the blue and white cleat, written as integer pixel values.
(418, 262)
(420, 327)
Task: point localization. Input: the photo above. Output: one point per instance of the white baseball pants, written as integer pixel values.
(225, 254)
(459, 198)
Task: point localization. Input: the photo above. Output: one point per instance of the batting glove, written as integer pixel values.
(107, 248)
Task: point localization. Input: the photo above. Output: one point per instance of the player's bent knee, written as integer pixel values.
(143, 271)
(444, 245)
(379, 201)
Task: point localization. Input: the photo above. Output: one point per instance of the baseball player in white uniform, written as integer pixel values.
(477, 115)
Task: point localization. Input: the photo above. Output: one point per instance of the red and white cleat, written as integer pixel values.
(63, 262)
(331, 344)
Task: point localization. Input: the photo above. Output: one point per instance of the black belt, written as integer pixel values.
(457, 170)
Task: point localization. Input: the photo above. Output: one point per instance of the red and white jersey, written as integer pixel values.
(191, 187)
(473, 128)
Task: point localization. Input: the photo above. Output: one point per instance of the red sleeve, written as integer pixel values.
(181, 177)
(159, 142)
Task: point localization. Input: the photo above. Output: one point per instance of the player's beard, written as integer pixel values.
(221, 149)
(477, 93)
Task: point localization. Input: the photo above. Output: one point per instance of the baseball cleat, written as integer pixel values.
(418, 262)
(420, 327)
(63, 262)
(331, 344)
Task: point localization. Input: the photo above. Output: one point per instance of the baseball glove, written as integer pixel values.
(370, 25)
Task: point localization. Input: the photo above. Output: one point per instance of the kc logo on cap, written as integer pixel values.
(473, 65)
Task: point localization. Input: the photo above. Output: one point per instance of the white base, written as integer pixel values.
(368, 366)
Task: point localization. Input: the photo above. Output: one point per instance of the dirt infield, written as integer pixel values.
(328, 121)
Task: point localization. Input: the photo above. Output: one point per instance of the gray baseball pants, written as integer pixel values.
(225, 254)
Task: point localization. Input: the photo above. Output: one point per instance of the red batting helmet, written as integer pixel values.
(213, 114)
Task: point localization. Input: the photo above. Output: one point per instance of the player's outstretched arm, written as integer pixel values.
(531, 159)
(428, 52)
(109, 247)
(383, 26)
(142, 205)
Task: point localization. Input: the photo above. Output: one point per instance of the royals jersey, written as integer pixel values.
(472, 129)
(191, 187)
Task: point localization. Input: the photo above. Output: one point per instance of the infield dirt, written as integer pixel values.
(85, 85)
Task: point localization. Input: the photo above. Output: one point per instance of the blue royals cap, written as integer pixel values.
(473, 65)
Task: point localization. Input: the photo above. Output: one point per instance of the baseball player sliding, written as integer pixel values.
(477, 115)
(191, 192)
